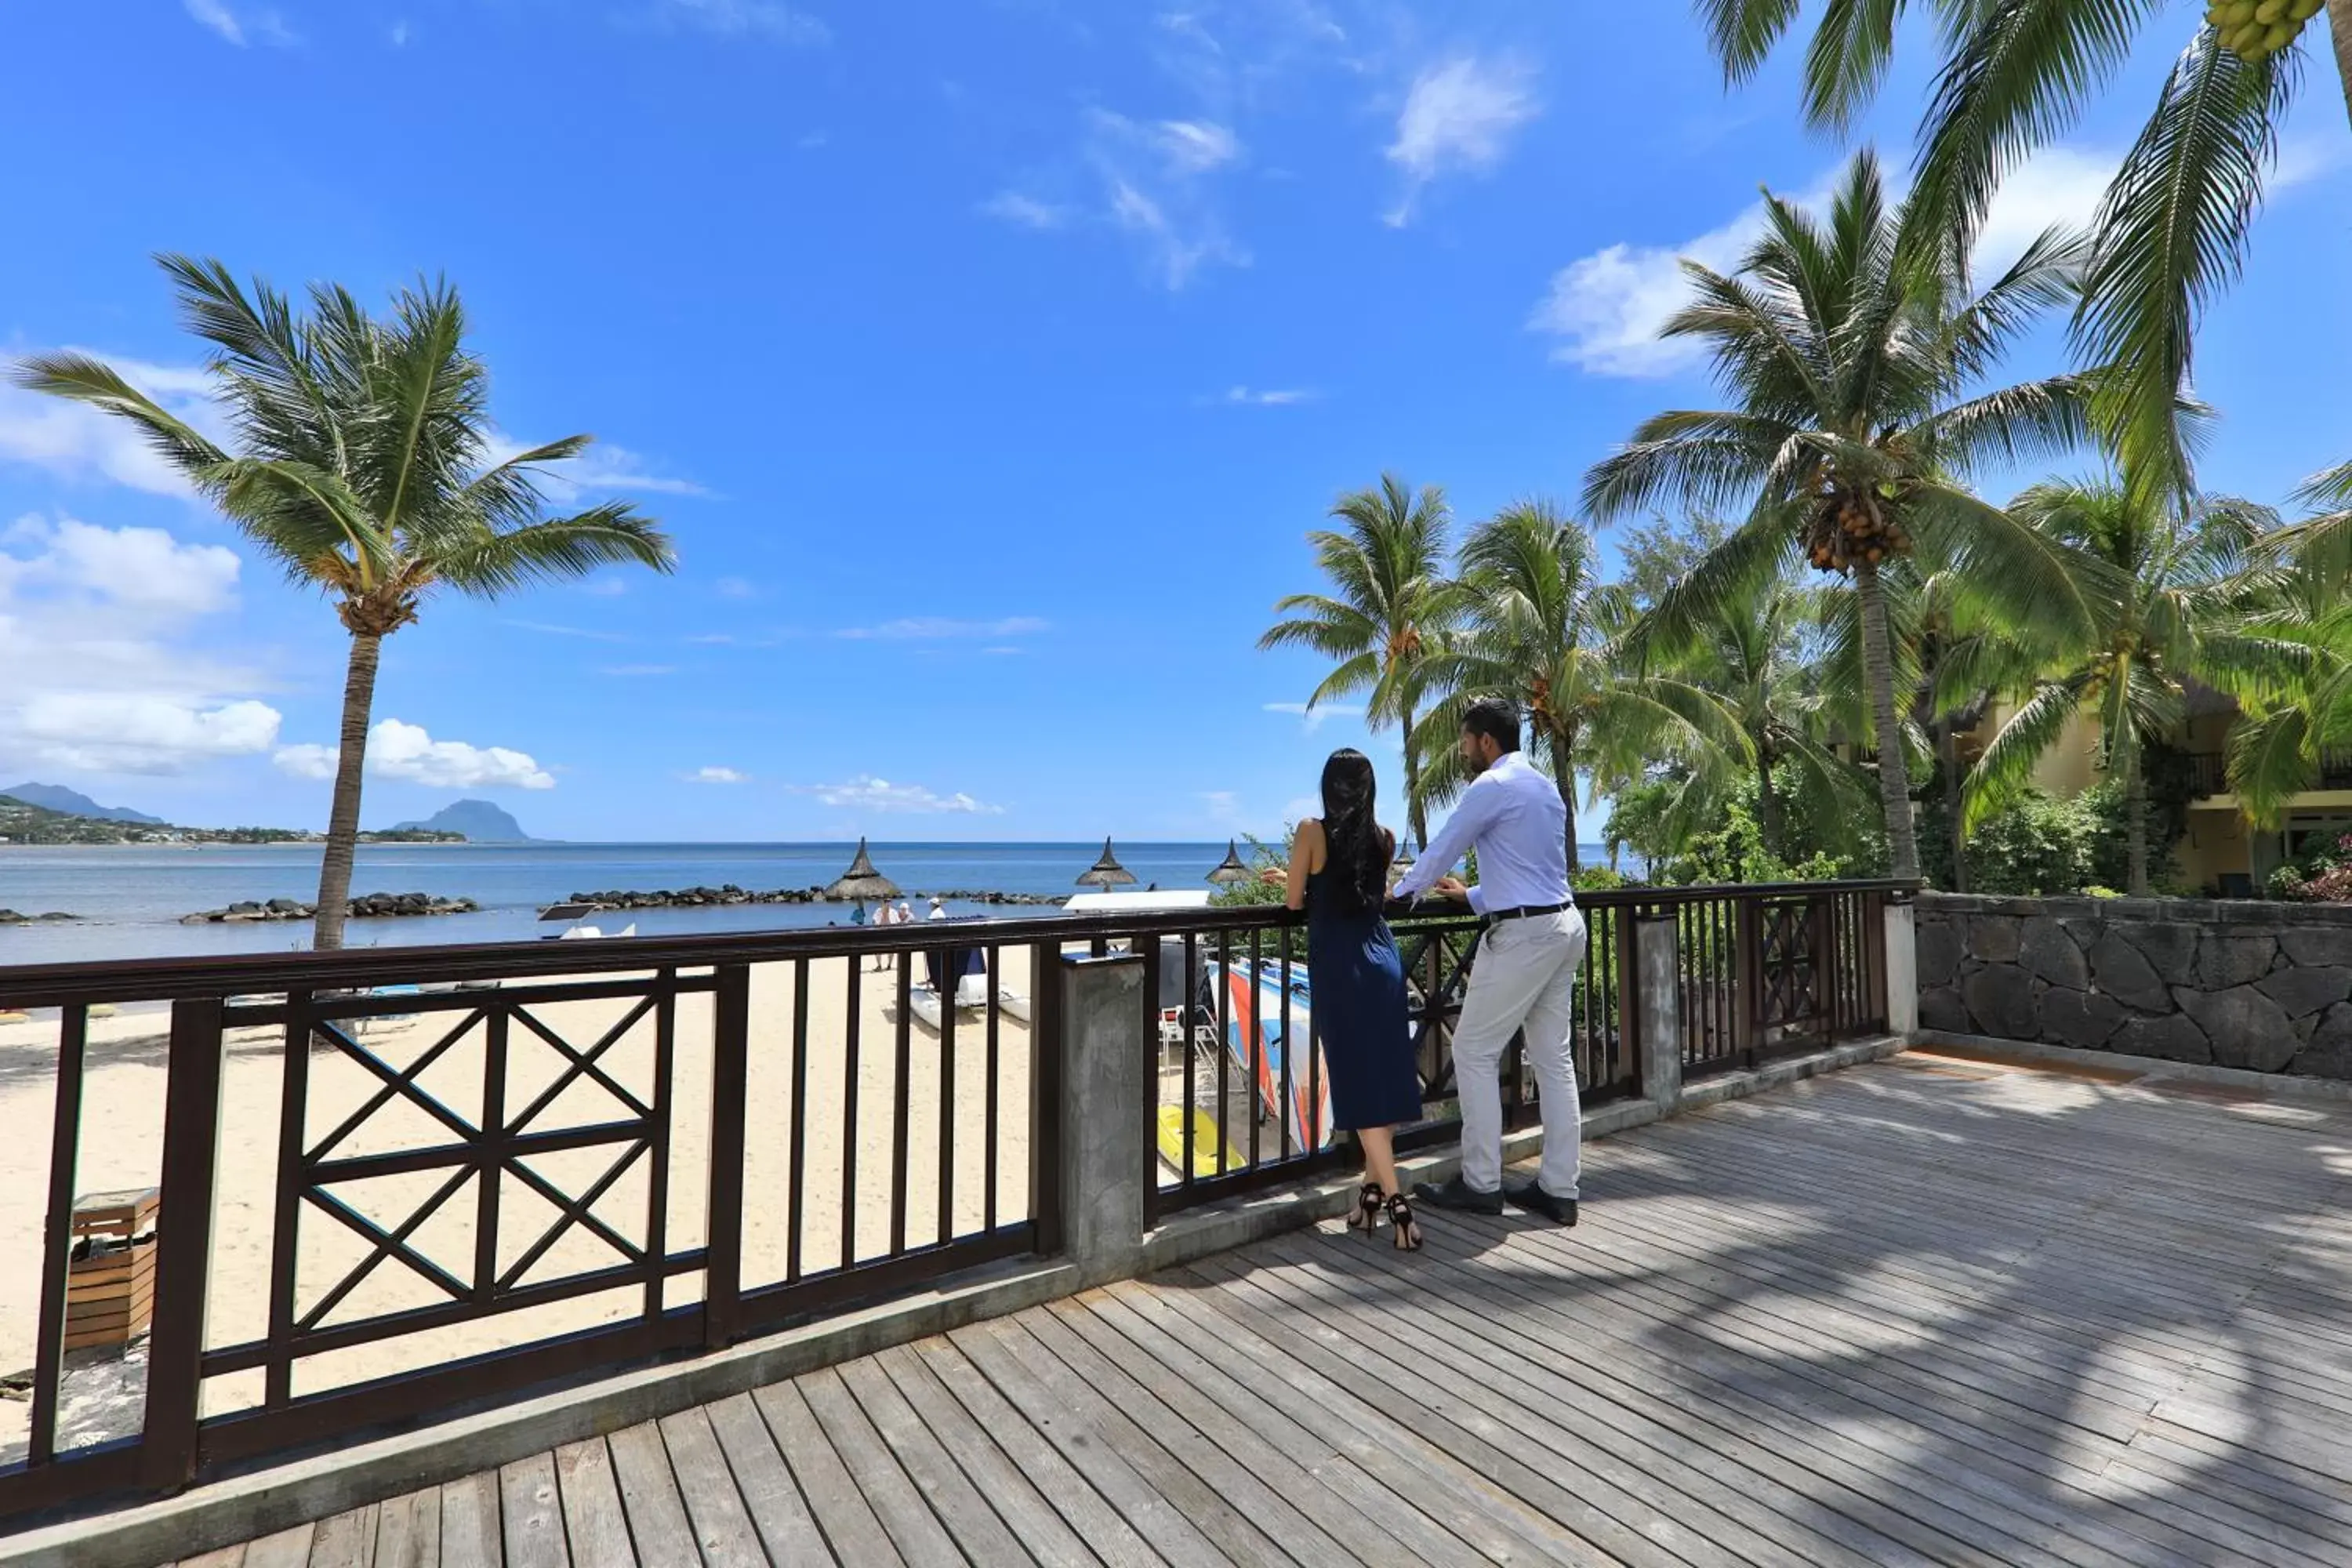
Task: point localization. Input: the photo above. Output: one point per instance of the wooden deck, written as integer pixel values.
(1923, 1313)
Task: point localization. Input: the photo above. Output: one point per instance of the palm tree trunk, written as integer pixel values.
(1416, 814)
(1948, 763)
(1767, 801)
(344, 821)
(1564, 758)
(2339, 22)
(2135, 828)
(1878, 676)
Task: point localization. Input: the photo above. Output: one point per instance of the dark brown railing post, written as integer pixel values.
(1147, 948)
(1048, 1046)
(1828, 968)
(184, 1241)
(56, 1231)
(729, 1079)
(1747, 974)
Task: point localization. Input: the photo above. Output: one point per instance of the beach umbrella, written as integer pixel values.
(862, 881)
(1231, 870)
(1402, 864)
(1106, 872)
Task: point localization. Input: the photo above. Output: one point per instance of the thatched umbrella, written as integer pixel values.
(862, 881)
(1108, 872)
(1402, 864)
(1231, 871)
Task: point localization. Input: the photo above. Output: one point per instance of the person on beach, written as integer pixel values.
(1339, 875)
(1525, 974)
(939, 909)
(885, 917)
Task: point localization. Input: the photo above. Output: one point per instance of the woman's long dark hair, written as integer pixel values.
(1359, 849)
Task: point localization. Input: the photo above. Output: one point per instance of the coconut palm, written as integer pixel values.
(1542, 630)
(2181, 620)
(1858, 411)
(2301, 603)
(1385, 613)
(2017, 74)
(360, 463)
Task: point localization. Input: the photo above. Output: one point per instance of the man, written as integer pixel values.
(1526, 972)
(939, 909)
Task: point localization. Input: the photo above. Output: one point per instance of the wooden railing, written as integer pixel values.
(401, 1182)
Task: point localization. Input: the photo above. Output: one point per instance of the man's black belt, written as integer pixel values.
(1525, 912)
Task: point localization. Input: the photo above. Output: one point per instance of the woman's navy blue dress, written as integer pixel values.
(1357, 988)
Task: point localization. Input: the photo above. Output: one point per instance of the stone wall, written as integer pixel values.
(2264, 987)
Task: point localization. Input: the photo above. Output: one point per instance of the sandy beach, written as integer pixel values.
(122, 1147)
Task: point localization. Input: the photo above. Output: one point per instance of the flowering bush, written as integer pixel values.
(2322, 877)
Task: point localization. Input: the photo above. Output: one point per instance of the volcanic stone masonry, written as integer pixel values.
(2265, 986)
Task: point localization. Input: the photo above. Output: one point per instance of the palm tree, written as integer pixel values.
(2179, 621)
(1387, 570)
(2017, 76)
(362, 466)
(2301, 602)
(1542, 630)
(1857, 416)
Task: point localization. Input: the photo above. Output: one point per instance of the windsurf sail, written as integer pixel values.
(1291, 1084)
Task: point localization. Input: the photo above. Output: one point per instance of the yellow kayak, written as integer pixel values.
(1204, 1141)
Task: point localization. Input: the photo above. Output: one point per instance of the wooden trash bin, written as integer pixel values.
(111, 1280)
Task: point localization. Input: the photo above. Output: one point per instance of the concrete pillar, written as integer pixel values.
(1902, 972)
(1657, 974)
(1106, 1092)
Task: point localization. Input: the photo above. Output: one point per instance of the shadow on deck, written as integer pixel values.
(1926, 1311)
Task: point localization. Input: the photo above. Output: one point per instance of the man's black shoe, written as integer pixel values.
(1531, 1197)
(1457, 1194)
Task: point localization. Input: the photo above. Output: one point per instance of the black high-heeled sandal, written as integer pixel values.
(1367, 1216)
(1401, 1220)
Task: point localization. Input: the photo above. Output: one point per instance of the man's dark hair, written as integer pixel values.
(1495, 720)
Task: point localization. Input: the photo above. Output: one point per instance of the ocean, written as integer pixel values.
(130, 898)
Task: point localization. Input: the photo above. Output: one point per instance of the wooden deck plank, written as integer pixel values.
(770, 1494)
(1382, 1439)
(345, 1541)
(408, 1532)
(1041, 1532)
(469, 1523)
(715, 1511)
(287, 1549)
(595, 1525)
(851, 1530)
(1086, 1510)
(649, 1497)
(975, 1528)
(1182, 1537)
(532, 1514)
(913, 1528)
(225, 1557)
(1252, 1426)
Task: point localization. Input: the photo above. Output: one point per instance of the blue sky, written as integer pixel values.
(988, 360)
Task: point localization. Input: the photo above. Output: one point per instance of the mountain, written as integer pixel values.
(56, 797)
(478, 820)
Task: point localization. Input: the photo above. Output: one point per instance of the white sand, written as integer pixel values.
(121, 1146)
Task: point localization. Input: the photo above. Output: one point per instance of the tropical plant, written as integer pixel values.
(2180, 620)
(1542, 630)
(361, 463)
(1857, 414)
(2016, 76)
(1386, 610)
(2303, 603)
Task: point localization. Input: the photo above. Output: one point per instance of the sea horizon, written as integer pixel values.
(129, 900)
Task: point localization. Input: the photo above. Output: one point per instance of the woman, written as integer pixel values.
(1340, 876)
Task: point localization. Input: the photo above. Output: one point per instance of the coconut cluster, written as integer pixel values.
(1848, 527)
(2254, 30)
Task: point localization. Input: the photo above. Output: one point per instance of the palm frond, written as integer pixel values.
(557, 549)
(86, 380)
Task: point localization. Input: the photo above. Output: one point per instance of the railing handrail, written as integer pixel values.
(227, 974)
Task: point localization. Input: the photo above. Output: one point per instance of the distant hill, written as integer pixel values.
(57, 798)
(478, 820)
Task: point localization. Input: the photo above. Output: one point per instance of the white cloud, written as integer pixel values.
(96, 733)
(1608, 307)
(549, 628)
(252, 27)
(606, 587)
(77, 442)
(398, 751)
(746, 18)
(1025, 211)
(717, 776)
(1195, 146)
(1267, 397)
(868, 793)
(1157, 187)
(1458, 116)
(142, 569)
(939, 628)
(603, 469)
(1310, 719)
